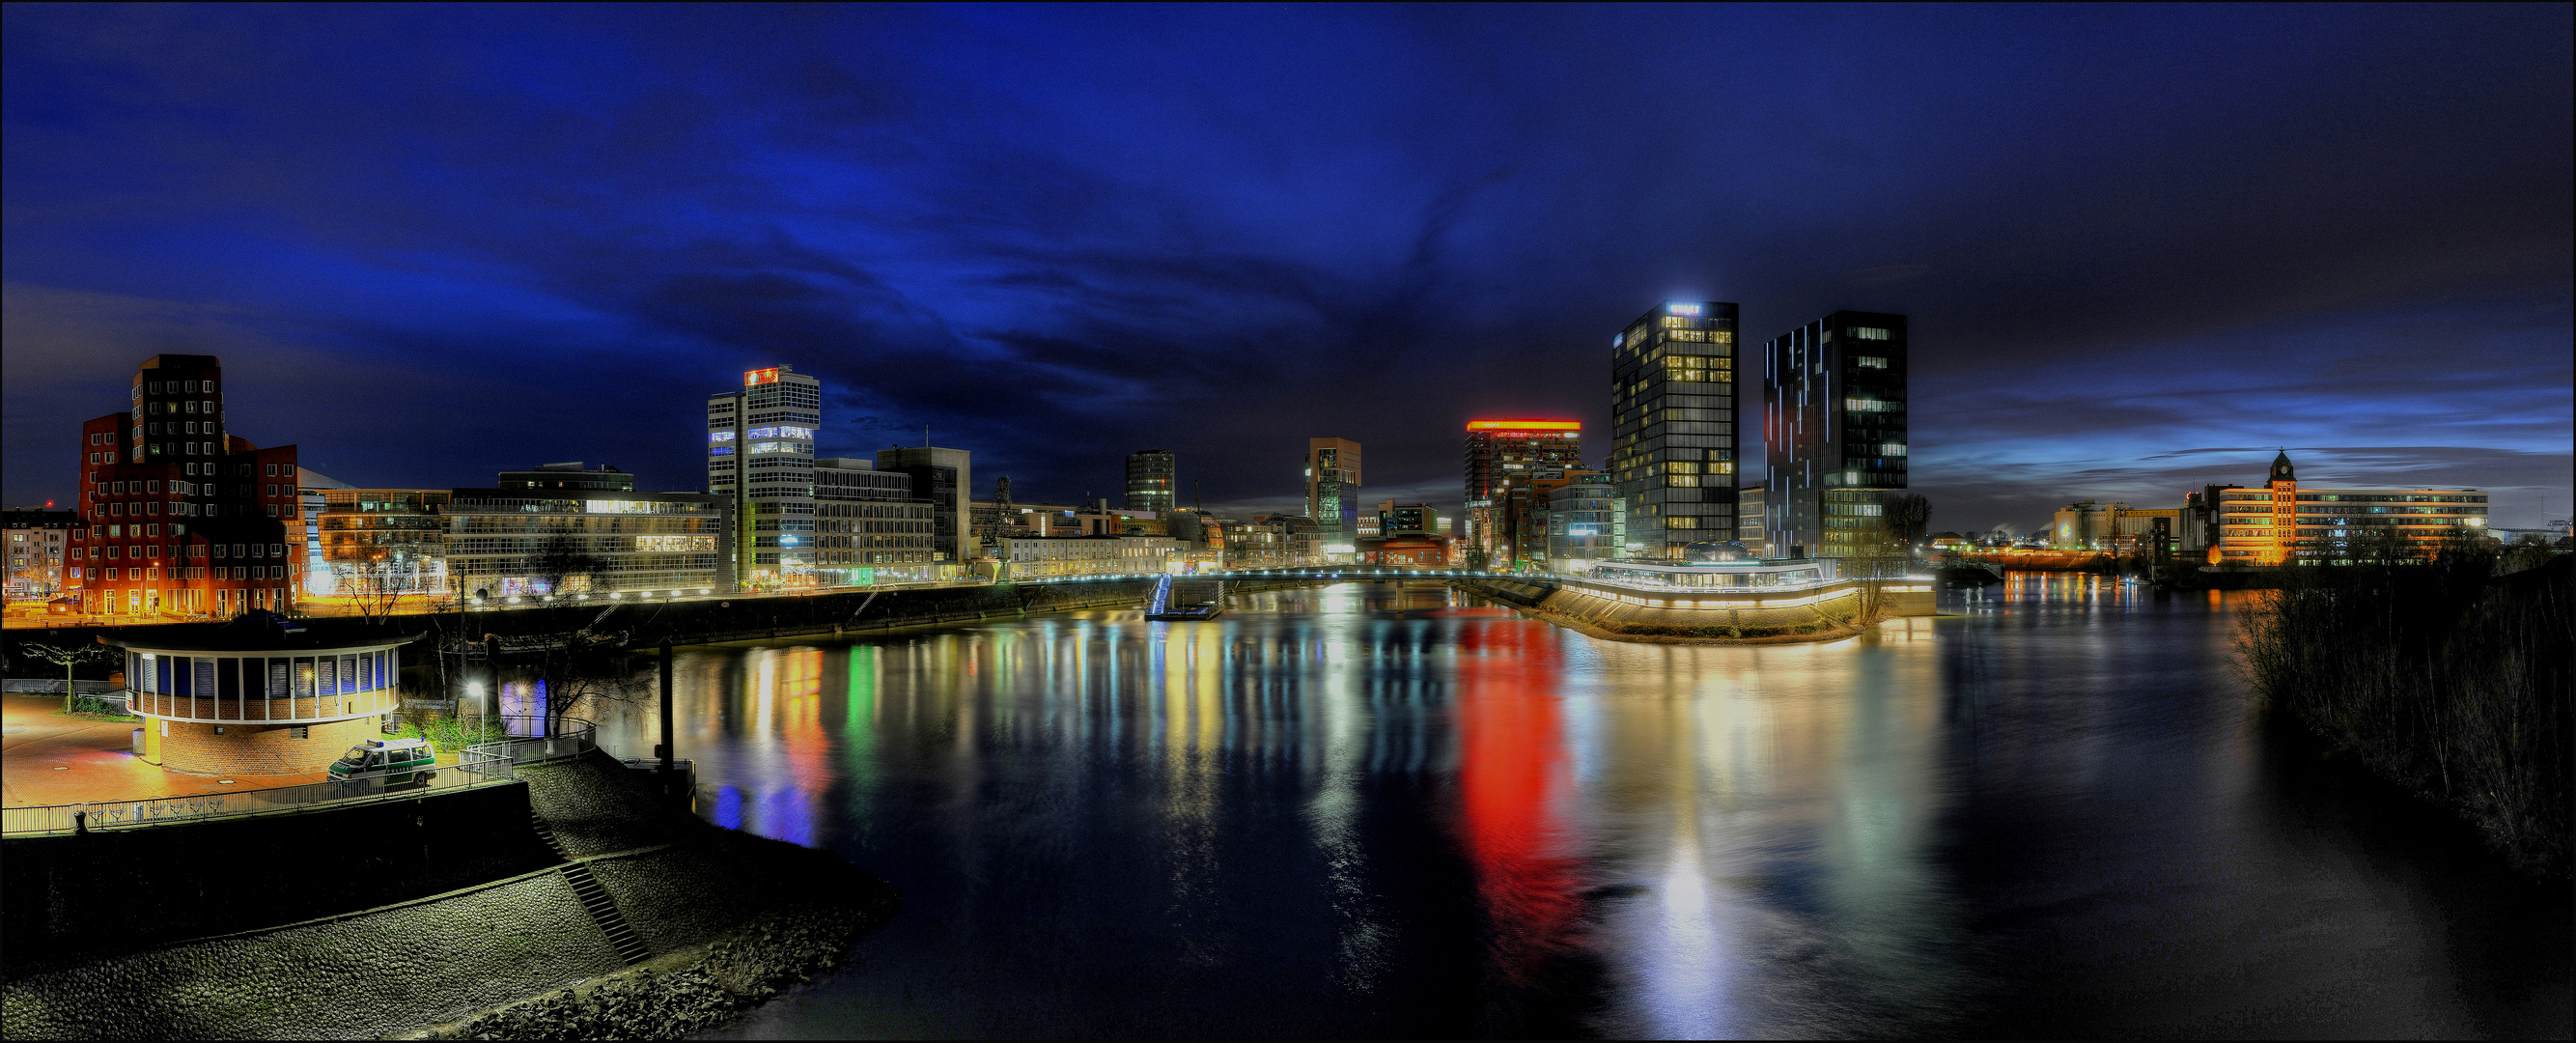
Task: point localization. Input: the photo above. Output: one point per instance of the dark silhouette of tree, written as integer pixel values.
(1909, 516)
(561, 559)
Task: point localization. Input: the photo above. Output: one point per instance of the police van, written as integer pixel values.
(392, 761)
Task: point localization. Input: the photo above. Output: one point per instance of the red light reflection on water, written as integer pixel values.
(1512, 778)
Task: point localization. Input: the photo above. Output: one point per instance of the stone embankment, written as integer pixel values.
(725, 920)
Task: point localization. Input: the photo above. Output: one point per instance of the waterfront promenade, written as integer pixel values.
(48, 757)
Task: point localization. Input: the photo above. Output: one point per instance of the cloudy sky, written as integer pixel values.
(2140, 247)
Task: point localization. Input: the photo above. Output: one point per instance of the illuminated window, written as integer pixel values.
(719, 436)
(1868, 333)
(1870, 362)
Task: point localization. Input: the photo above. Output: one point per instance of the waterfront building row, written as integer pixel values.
(2284, 522)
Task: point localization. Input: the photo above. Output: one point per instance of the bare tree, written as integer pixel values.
(1878, 557)
(562, 559)
(67, 657)
(590, 670)
(377, 585)
(1909, 516)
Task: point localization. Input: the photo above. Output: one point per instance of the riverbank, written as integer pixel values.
(2448, 681)
(619, 874)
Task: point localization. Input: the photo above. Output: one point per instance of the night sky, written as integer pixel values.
(2141, 247)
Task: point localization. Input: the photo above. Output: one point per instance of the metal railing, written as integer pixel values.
(535, 738)
(474, 767)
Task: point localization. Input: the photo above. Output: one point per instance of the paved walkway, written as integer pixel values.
(48, 757)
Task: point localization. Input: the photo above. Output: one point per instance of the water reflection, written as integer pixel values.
(1379, 811)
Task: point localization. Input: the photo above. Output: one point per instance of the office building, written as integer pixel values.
(533, 542)
(869, 528)
(942, 478)
(1748, 522)
(1502, 451)
(1521, 520)
(39, 546)
(179, 515)
(1585, 522)
(2284, 522)
(760, 458)
(383, 547)
(1833, 401)
(1408, 519)
(1333, 492)
(572, 474)
(1056, 557)
(1672, 450)
(1152, 481)
(313, 490)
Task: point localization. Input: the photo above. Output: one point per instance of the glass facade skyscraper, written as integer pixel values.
(1833, 415)
(1333, 490)
(760, 455)
(1672, 434)
(1153, 481)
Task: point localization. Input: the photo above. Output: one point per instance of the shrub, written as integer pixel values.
(2439, 676)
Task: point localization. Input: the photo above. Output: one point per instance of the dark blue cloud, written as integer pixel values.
(434, 242)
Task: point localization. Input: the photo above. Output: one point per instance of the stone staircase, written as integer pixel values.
(595, 898)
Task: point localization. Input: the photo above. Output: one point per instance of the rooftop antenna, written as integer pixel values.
(925, 436)
(1195, 503)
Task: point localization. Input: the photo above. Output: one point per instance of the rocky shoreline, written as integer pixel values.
(685, 992)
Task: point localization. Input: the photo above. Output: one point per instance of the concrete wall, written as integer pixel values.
(69, 898)
(731, 918)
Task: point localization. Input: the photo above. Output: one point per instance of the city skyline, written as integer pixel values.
(2186, 225)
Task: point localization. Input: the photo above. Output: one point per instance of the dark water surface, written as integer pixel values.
(1364, 811)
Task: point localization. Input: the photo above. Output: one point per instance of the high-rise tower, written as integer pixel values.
(1153, 482)
(760, 453)
(1833, 416)
(1502, 454)
(1333, 489)
(1672, 415)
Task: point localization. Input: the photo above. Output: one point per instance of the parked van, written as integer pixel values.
(395, 761)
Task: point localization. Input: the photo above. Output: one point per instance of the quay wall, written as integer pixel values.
(727, 920)
(697, 621)
(73, 896)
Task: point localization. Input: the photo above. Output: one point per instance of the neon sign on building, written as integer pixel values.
(755, 377)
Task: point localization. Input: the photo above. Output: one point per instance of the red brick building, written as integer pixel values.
(182, 517)
(1416, 552)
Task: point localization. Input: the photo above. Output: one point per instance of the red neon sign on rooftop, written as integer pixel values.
(760, 376)
(1525, 425)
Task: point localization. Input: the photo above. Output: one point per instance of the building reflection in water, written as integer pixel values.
(1513, 784)
(1379, 811)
